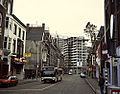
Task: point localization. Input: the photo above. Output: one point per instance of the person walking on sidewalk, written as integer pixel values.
(101, 83)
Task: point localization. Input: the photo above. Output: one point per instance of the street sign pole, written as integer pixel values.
(105, 41)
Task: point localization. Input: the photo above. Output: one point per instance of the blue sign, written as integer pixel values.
(35, 64)
(79, 60)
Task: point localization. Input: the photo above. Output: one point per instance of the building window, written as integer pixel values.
(11, 25)
(9, 8)
(23, 35)
(14, 45)
(7, 22)
(9, 45)
(15, 29)
(5, 42)
(0, 19)
(19, 35)
(22, 49)
(2, 2)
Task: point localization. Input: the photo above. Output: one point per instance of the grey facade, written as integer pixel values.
(43, 49)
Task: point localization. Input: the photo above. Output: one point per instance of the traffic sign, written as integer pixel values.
(105, 57)
(79, 60)
(104, 51)
(35, 64)
(104, 46)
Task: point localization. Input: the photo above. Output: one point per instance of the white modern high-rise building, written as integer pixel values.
(75, 51)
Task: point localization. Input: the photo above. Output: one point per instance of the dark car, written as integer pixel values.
(8, 80)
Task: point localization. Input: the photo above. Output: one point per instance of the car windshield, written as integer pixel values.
(5, 77)
(48, 69)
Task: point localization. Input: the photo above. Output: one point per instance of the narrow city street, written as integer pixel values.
(71, 84)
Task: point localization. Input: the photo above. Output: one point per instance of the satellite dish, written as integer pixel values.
(111, 26)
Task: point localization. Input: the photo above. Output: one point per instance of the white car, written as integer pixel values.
(82, 75)
(70, 73)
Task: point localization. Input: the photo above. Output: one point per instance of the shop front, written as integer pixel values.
(3, 68)
(17, 67)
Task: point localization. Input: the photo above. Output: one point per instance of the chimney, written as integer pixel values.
(43, 25)
(27, 28)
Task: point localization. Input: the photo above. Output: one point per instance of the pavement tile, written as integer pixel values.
(93, 84)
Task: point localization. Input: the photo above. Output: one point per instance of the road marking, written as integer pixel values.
(42, 89)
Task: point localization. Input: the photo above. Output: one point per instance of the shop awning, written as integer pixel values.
(19, 61)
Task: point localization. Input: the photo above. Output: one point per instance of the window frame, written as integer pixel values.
(19, 33)
(15, 29)
(23, 35)
(0, 19)
(5, 42)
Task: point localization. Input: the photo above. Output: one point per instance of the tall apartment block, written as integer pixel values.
(74, 51)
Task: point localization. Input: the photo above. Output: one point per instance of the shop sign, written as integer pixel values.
(19, 61)
(35, 64)
(16, 59)
(24, 61)
(115, 91)
(27, 54)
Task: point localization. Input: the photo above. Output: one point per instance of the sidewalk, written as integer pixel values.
(25, 81)
(93, 83)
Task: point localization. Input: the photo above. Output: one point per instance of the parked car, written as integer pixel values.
(70, 73)
(8, 80)
(82, 75)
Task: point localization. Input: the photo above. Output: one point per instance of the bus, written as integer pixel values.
(51, 74)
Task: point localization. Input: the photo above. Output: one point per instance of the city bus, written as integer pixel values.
(51, 74)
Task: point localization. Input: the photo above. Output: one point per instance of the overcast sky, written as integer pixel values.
(64, 17)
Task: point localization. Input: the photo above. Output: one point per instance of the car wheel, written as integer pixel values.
(8, 84)
(61, 79)
(16, 83)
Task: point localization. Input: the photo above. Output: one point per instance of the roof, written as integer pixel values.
(35, 33)
(18, 20)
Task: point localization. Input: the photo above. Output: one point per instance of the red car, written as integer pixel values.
(8, 80)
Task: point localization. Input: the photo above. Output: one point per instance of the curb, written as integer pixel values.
(91, 86)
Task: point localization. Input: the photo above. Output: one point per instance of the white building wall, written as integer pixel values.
(77, 50)
(9, 33)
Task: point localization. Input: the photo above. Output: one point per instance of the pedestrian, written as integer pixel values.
(33, 75)
(101, 83)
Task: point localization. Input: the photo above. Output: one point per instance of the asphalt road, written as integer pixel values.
(71, 84)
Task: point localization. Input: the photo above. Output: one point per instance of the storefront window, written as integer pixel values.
(5, 42)
(9, 46)
(0, 19)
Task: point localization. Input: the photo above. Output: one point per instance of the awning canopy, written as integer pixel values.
(17, 60)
